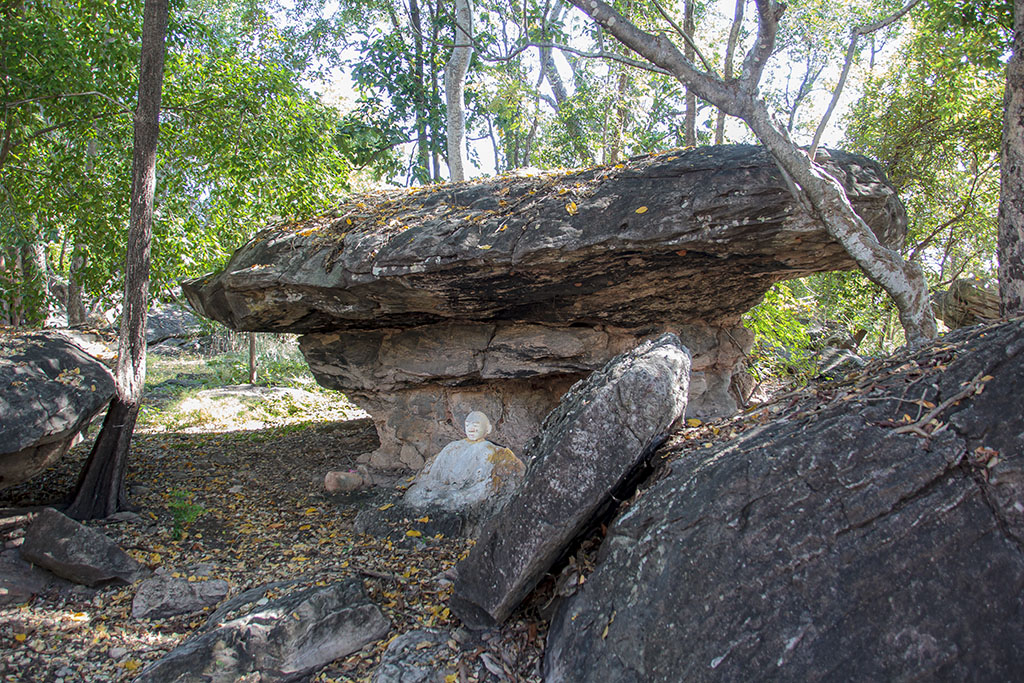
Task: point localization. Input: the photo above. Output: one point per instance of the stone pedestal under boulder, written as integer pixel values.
(498, 295)
(50, 389)
(879, 537)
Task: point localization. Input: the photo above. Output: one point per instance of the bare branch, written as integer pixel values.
(855, 34)
(685, 35)
(647, 66)
(768, 14)
(91, 93)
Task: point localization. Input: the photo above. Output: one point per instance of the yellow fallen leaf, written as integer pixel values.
(484, 247)
(386, 506)
(571, 208)
(642, 209)
(305, 527)
(301, 558)
(693, 422)
(451, 678)
(131, 664)
(311, 511)
(619, 166)
(413, 533)
(20, 637)
(423, 519)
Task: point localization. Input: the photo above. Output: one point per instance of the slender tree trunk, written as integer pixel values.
(690, 114)
(75, 303)
(100, 490)
(1011, 196)
(423, 148)
(730, 56)
(252, 358)
(454, 87)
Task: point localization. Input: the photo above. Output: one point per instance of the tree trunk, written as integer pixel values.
(454, 86)
(100, 491)
(690, 114)
(730, 55)
(1011, 195)
(423, 173)
(75, 303)
(252, 358)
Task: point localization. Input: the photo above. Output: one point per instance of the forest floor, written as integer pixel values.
(250, 463)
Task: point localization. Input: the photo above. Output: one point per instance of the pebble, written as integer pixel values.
(117, 652)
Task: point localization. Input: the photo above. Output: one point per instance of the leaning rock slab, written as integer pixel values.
(827, 544)
(589, 445)
(77, 553)
(499, 295)
(49, 390)
(284, 640)
(166, 596)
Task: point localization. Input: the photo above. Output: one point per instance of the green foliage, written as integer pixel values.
(933, 118)
(782, 346)
(183, 511)
(242, 139)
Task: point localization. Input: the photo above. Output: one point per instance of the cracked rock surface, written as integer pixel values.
(875, 532)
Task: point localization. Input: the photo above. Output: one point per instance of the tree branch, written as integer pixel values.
(91, 93)
(686, 36)
(768, 14)
(855, 34)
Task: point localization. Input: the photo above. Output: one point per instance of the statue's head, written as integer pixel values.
(478, 426)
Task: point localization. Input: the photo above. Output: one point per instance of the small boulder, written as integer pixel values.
(19, 580)
(76, 552)
(50, 389)
(283, 640)
(412, 658)
(165, 595)
(600, 433)
(343, 482)
(172, 321)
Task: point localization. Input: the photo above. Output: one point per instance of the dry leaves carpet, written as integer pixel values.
(265, 518)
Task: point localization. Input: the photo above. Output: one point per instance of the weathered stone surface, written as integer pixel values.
(164, 595)
(412, 658)
(284, 640)
(49, 390)
(19, 580)
(171, 321)
(827, 544)
(514, 288)
(76, 552)
(589, 445)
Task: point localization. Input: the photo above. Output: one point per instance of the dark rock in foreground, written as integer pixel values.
(77, 553)
(49, 390)
(284, 640)
(590, 444)
(498, 295)
(828, 544)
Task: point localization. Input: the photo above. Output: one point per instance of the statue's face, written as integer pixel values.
(475, 428)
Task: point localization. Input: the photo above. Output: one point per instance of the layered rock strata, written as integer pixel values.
(498, 295)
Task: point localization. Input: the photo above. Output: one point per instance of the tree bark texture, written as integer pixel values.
(730, 54)
(454, 87)
(690, 114)
(821, 195)
(1011, 195)
(100, 490)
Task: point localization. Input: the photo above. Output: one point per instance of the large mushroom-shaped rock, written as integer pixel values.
(598, 437)
(49, 390)
(842, 541)
(423, 305)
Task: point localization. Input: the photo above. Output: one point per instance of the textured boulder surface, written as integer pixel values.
(841, 540)
(599, 434)
(77, 553)
(502, 293)
(283, 640)
(49, 390)
(164, 595)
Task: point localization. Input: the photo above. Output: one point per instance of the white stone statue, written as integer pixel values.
(466, 472)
